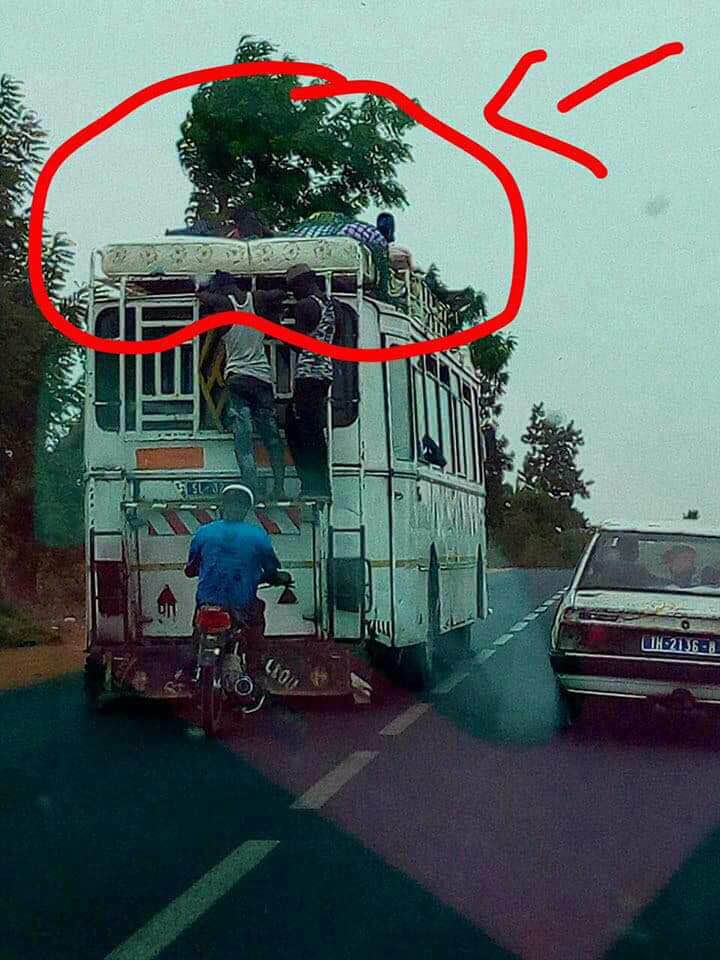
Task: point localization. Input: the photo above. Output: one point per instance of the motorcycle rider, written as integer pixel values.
(232, 558)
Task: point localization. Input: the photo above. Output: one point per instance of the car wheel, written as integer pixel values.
(573, 704)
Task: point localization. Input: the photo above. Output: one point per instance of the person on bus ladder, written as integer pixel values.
(248, 377)
(307, 418)
(231, 559)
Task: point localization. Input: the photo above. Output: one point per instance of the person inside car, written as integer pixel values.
(680, 560)
(623, 567)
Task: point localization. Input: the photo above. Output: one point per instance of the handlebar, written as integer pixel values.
(269, 586)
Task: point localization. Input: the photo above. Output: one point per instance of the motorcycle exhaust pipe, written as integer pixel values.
(244, 686)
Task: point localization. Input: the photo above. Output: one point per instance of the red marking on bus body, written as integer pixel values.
(268, 523)
(176, 523)
(295, 516)
(335, 85)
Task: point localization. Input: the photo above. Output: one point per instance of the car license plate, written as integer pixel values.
(698, 646)
(201, 488)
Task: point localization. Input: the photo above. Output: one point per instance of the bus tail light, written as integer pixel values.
(110, 581)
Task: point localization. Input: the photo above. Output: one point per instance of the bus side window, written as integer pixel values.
(469, 447)
(477, 447)
(400, 409)
(433, 413)
(448, 441)
(107, 372)
(346, 378)
(420, 420)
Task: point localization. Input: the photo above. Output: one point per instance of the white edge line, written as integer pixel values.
(333, 782)
(167, 925)
(404, 719)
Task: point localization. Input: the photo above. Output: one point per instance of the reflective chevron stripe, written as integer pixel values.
(184, 522)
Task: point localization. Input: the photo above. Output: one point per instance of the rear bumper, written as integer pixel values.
(635, 678)
(283, 666)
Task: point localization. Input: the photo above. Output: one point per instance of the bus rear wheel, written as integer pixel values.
(94, 684)
(418, 663)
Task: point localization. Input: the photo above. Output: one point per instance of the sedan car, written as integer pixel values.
(641, 617)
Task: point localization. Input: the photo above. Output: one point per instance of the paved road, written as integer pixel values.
(465, 824)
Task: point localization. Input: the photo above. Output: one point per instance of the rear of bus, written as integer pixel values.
(157, 456)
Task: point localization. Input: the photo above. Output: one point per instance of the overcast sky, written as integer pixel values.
(618, 324)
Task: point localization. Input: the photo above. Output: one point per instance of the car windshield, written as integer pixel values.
(653, 562)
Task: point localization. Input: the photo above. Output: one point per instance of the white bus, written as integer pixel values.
(397, 562)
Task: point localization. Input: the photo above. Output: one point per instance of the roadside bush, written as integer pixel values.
(18, 630)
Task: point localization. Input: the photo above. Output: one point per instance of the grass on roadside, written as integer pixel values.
(19, 630)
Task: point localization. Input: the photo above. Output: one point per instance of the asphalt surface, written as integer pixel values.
(466, 823)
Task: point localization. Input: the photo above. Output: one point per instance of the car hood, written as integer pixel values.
(654, 604)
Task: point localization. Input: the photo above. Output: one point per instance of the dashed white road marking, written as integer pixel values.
(517, 627)
(166, 926)
(403, 720)
(455, 679)
(501, 641)
(531, 616)
(333, 782)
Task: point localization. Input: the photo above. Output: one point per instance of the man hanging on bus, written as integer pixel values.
(248, 377)
(314, 315)
(232, 558)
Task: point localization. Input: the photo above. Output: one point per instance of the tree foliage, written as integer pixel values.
(39, 392)
(539, 530)
(551, 463)
(245, 143)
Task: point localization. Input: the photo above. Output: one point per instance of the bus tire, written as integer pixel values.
(418, 662)
(463, 637)
(94, 684)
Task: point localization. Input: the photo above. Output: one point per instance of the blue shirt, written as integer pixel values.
(233, 559)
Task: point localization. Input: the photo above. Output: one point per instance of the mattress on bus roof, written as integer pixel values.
(203, 255)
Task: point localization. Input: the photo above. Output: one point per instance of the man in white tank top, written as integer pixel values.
(248, 377)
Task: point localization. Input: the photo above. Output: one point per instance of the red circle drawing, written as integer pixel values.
(335, 84)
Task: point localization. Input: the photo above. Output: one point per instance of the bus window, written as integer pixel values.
(468, 431)
(400, 409)
(462, 445)
(346, 377)
(478, 447)
(107, 372)
(131, 365)
(448, 444)
(168, 379)
(433, 415)
(420, 421)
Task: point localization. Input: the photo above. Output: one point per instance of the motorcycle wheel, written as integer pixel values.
(211, 701)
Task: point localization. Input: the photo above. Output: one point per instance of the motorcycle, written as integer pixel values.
(221, 672)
